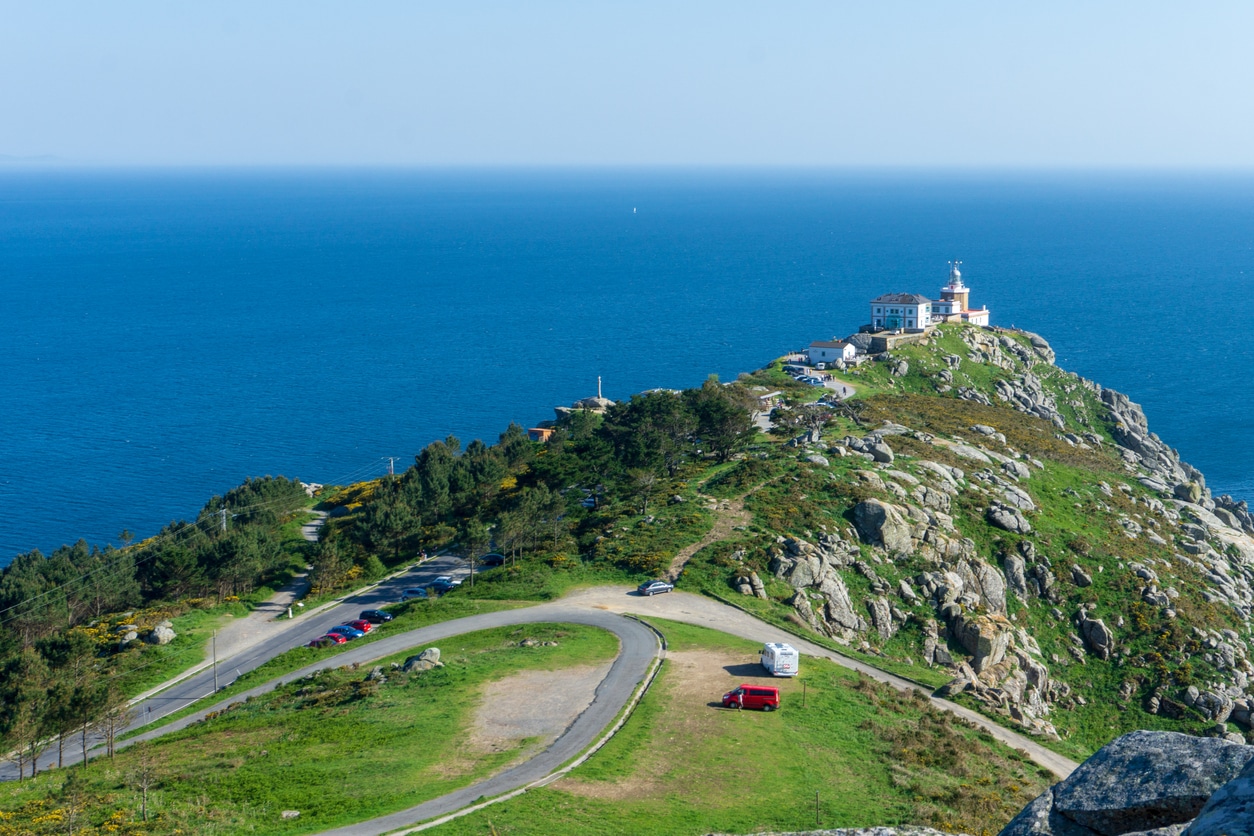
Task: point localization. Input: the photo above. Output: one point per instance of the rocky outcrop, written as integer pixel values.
(872, 446)
(424, 661)
(1007, 518)
(986, 638)
(986, 583)
(881, 524)
(882, 617)
(1145, 449)
(1027, 394)
(1097, 636)
(1140, 783)
(163, 633)
(1230, 811)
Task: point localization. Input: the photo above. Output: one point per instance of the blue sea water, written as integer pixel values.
(164, 335)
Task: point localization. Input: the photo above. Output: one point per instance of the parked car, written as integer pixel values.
(449, 580)
(414, 592)
(325, 641)
(442, 585)
(376, 616)
(360, 624)
(654, 587)
(752, 696)
(346, 631)
(492, 559)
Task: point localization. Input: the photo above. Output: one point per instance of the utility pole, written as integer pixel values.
(391, 465)
(223, 514)
(215, 661)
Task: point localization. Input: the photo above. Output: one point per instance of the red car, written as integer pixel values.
(360, 624)
(327, 640)
(752, 696)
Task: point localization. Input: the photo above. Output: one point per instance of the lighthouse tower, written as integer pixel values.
(956, 293)
(955, 302)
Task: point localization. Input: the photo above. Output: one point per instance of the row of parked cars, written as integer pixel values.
(349, 630)
(803, 375)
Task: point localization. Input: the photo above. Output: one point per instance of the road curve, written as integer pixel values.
(707, 612)
(601, 607)
(638, 648)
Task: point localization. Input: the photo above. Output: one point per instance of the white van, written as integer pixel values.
(780, 659)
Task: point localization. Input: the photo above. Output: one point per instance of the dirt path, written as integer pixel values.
(554, 699)
(311, 529)
(728, 513)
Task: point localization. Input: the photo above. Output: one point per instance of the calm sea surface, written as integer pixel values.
(165, 335)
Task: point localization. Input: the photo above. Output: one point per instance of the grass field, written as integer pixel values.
(408, 616)
(681, 765)
(334, 746)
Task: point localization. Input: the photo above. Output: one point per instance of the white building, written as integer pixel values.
(828, 352)
(906, 311)
(954, 304)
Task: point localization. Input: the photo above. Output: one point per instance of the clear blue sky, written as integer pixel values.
(878, 83)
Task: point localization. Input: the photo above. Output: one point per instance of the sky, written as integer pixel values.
(885, 83)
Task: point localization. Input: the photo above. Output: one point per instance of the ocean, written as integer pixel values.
(166, 334)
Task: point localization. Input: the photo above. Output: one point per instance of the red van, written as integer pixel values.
(752, 696)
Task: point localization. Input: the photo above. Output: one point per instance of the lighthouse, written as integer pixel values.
(955, 302)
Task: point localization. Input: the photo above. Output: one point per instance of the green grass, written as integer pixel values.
(146, 666)
(409, 616)
(333, 746)
(682, 766)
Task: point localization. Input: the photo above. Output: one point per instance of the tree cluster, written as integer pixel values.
(520, 496)
(55, 678)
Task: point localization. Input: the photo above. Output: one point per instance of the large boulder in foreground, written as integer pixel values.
(1230, 811)
(1138, 783)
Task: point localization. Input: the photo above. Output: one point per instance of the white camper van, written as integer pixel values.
(781, 659)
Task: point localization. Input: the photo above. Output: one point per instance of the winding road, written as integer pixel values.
(602, 607)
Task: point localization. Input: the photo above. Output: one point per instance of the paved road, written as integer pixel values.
(707, 612)
(280, 636)
(598, 607)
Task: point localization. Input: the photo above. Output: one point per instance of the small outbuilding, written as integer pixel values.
(821, 351)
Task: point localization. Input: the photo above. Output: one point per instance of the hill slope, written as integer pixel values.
(1007, 526)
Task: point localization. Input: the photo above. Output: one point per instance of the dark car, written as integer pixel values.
(493, 559)
(376, 616)
(654, 587)
(441, 586)
(346, 631)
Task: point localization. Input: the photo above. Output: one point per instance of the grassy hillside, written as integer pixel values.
(338, 747)
(869, 755)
